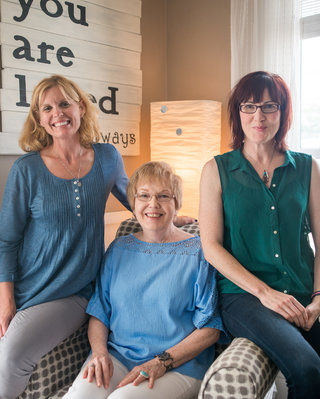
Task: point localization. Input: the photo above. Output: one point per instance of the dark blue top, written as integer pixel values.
(52, 230)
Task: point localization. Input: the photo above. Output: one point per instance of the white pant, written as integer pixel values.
(170, 386)
(32, 333)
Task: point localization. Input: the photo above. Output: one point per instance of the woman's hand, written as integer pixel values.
(8, 306)
(182, 220)
(154, 368)
(285, 305)
(313, 311)
(99, 367)
(7, 313)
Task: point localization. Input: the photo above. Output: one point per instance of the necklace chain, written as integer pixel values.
(71, 173)
(265, 175)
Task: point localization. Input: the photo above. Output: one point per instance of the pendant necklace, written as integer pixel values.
(71, 173)
(265, 175)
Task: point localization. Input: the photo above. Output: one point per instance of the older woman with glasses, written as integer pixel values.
(154, 315)
(257, 206)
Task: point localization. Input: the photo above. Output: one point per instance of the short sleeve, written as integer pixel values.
(206, 299)
(14, 215)
(99, 304)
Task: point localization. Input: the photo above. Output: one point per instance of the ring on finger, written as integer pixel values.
(144, 374)
(92, 365)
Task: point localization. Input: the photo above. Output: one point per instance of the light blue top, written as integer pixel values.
(151, 296)
(52, 231)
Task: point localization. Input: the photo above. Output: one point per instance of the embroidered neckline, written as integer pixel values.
(189, 246)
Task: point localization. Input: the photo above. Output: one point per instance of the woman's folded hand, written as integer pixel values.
(100, 368)
(153, 368)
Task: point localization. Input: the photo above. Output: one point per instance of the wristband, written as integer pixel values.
(316, 293)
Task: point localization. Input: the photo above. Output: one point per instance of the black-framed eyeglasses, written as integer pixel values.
(161, 197)
(267, 108)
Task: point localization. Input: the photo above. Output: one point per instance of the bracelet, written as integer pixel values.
(316, 293)
(164, 357)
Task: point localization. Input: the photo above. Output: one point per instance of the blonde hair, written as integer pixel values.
(34, 137)
(159, 171)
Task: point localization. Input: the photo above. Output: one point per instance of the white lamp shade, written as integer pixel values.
(186, 134)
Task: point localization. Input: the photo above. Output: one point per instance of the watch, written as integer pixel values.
(166, 359)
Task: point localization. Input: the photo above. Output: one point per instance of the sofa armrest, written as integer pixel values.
(58, 368)
(242, 371)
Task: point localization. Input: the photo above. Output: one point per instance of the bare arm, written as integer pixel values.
(184, 351)
(100, 365)
(193, 344)
(314, 210)
(8, 306)
(212, 228)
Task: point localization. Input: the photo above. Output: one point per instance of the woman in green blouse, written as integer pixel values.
(258, 205)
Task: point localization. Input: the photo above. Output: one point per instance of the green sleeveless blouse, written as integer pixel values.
(267, 230)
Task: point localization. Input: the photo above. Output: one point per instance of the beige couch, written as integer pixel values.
(241, 370)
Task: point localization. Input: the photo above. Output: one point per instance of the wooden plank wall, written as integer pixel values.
(96, 43)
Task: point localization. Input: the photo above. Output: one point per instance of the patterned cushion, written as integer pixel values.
(130, 226)
(59, 368)
(241, 371)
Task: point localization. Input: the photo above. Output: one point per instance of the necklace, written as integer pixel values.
(71, 173)
(265, 174)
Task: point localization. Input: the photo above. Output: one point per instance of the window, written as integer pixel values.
(310, 77)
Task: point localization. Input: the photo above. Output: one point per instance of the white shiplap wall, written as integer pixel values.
(96, 43)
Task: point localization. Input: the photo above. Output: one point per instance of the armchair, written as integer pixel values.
(241, 370)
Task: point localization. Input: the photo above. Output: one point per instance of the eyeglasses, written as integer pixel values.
(268, 108)
(146, 197)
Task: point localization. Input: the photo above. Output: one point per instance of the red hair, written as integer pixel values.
(251, 87)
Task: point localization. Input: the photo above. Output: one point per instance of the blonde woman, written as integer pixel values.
(51, 227)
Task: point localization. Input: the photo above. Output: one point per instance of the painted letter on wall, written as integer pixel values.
(96, 43)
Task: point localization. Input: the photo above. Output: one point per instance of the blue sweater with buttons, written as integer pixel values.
(52, 229)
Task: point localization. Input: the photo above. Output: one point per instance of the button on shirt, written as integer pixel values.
(51, 229)
(266, 229)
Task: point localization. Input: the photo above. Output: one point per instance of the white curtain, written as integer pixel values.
(265, 35)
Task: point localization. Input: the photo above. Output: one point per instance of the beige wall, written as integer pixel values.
(198, 41)
(185, 56)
